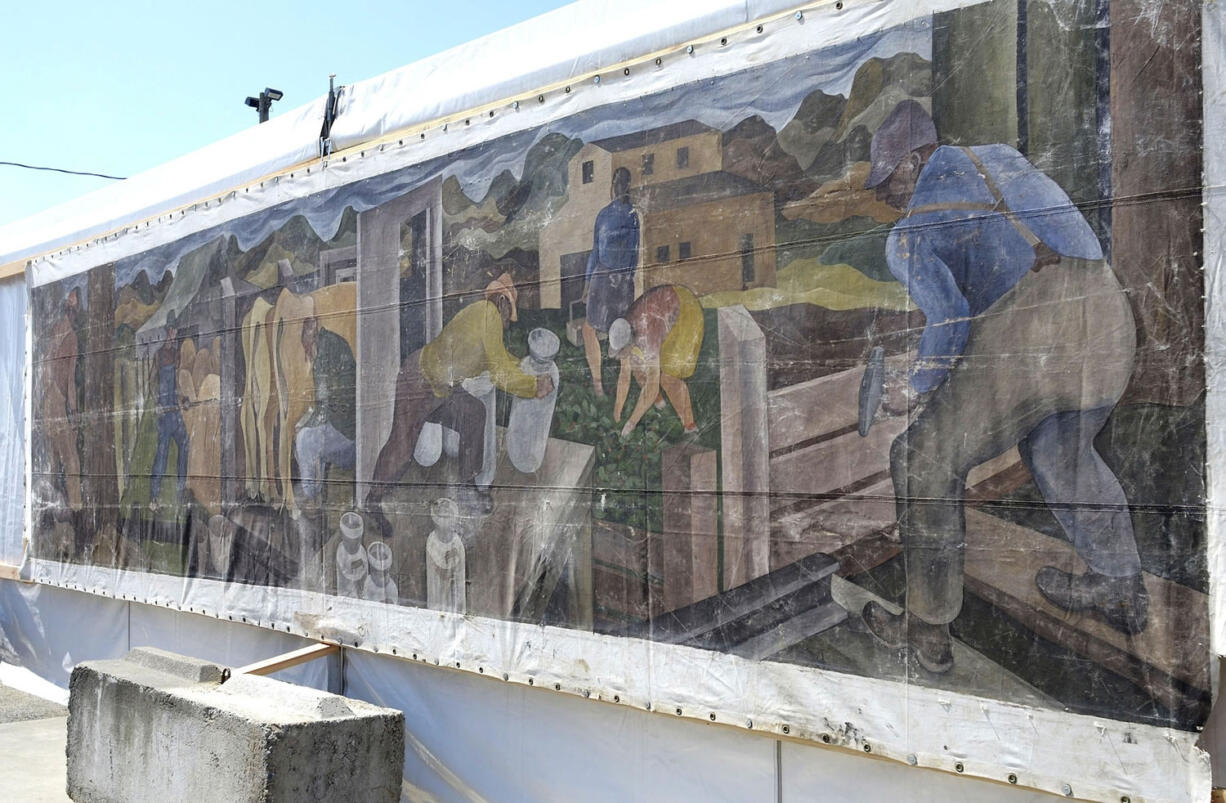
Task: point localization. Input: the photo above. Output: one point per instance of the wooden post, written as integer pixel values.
(1156, 244)
(745, 447)
(378, 314)
(230, 395)
(690, 541)
(378, 322)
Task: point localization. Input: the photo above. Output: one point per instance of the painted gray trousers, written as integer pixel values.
(1042, 370)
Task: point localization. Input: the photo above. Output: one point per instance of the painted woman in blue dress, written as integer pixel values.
(610, 270)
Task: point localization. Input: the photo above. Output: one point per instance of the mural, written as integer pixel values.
(830, 362)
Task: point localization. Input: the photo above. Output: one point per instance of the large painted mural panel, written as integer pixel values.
(829, 362)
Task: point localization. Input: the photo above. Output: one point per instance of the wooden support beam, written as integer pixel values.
(286, 660)
(8, 572)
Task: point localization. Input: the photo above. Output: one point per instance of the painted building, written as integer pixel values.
(677, 182)
(710, 232)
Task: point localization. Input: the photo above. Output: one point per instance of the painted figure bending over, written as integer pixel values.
(170, 402)
(610, 270)
(657, 343)
(1029, 341)
(325, 435)
(428, 389)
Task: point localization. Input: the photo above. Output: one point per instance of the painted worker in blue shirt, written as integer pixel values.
(1029, 341)
(610, 270)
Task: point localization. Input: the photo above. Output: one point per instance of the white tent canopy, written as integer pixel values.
(552, 48)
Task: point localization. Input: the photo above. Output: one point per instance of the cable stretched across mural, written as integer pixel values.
(840, 360)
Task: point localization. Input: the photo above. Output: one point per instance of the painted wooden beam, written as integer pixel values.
(1002, 559)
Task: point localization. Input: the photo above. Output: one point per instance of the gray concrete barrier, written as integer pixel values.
(155, 726)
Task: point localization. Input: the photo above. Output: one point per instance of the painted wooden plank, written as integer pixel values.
(1001, 562)
(869, 552)
(833, 524)
(819, 406)
(997, 465)
(790, 519)
(814, 408)
(1002, 559)
(834, 464)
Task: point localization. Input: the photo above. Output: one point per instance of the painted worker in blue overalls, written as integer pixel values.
(1029, 341)
(610, 270)
(169, 412)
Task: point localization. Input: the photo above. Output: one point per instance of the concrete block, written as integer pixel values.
(159, 726)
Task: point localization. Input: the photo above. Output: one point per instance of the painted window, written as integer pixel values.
(748, 272)
(683, 157)
(684, 251)
(649, 164)
(589, 172)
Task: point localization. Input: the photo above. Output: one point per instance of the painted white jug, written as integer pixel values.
(351, 561)
(429, 446)
(528, 427)
(379, 585)
(445, 566)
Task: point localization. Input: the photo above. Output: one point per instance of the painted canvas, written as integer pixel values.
(884, 359)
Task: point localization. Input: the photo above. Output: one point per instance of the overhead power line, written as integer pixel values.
(62, 170)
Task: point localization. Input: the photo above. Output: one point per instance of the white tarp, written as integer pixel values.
(50, 630)
(559, 46)
(1044, 748)
(13, 295)
(471, 738)
(1214, 77)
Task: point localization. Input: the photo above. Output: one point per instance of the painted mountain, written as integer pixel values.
(815, 164)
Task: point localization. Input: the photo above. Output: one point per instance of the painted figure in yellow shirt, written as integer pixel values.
(428, 390)
(658, 343)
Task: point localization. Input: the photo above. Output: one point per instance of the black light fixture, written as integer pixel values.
(264, 101)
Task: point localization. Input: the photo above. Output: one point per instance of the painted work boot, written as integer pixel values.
(931, 645)
(1121, 602)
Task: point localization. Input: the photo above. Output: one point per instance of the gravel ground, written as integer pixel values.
(17, 706)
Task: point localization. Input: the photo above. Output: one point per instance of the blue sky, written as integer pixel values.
(120, 87)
